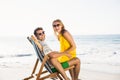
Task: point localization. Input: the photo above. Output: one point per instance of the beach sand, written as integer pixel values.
(14, 70)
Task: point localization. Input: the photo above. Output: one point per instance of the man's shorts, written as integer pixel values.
(64, 65)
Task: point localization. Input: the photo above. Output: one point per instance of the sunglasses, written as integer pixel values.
(41, 33)
(57, 25)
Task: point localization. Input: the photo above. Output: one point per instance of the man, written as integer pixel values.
(40, 35)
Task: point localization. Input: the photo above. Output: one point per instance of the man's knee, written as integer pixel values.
(51, 55)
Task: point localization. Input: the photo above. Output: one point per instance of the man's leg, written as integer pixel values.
(71, 71)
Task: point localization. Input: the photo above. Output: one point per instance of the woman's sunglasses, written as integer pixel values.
(57, 25)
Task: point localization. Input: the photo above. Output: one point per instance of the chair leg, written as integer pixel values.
(59, 76)
(35, 66)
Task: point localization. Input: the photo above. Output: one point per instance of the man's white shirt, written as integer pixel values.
(46, 48)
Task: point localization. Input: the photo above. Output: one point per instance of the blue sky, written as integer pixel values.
(21, 17)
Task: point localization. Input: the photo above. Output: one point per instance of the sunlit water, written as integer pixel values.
(91, 49)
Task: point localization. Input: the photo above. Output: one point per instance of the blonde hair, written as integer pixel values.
(63, 27)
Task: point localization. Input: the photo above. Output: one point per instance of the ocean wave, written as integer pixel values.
(22, 55)
(16, 55)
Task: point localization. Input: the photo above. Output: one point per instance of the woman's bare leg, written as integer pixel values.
(58, 66)
(76, 63)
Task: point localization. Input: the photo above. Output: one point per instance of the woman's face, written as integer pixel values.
(57, 26)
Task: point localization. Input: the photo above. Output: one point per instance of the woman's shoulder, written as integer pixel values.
(66, 33)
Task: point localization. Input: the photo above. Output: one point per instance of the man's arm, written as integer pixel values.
(36, 42)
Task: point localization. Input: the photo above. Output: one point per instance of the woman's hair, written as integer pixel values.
(38, 28)
(61, 23)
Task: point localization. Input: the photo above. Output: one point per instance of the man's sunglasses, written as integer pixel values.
(41, 33)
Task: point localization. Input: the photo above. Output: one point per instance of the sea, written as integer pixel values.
(91, 49)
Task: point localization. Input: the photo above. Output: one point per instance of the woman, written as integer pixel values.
(67, 48)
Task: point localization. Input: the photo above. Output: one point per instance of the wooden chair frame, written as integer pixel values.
(50, 75)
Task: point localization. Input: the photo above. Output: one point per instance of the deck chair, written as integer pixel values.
(44, 63)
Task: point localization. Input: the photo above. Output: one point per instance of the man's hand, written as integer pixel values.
(36, 42)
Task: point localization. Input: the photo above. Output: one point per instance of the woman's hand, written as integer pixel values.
(68, 55)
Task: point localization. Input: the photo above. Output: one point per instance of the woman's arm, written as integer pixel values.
(55, 54)
(69, 38)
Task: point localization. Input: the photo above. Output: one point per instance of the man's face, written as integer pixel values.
(40, 35)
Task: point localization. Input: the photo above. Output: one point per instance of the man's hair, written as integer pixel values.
(38, 28)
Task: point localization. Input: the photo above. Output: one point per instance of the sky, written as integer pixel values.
(80, 17)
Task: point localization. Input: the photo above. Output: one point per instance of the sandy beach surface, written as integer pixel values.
(17, 70)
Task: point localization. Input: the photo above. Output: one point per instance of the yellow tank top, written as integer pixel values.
(64, 45)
